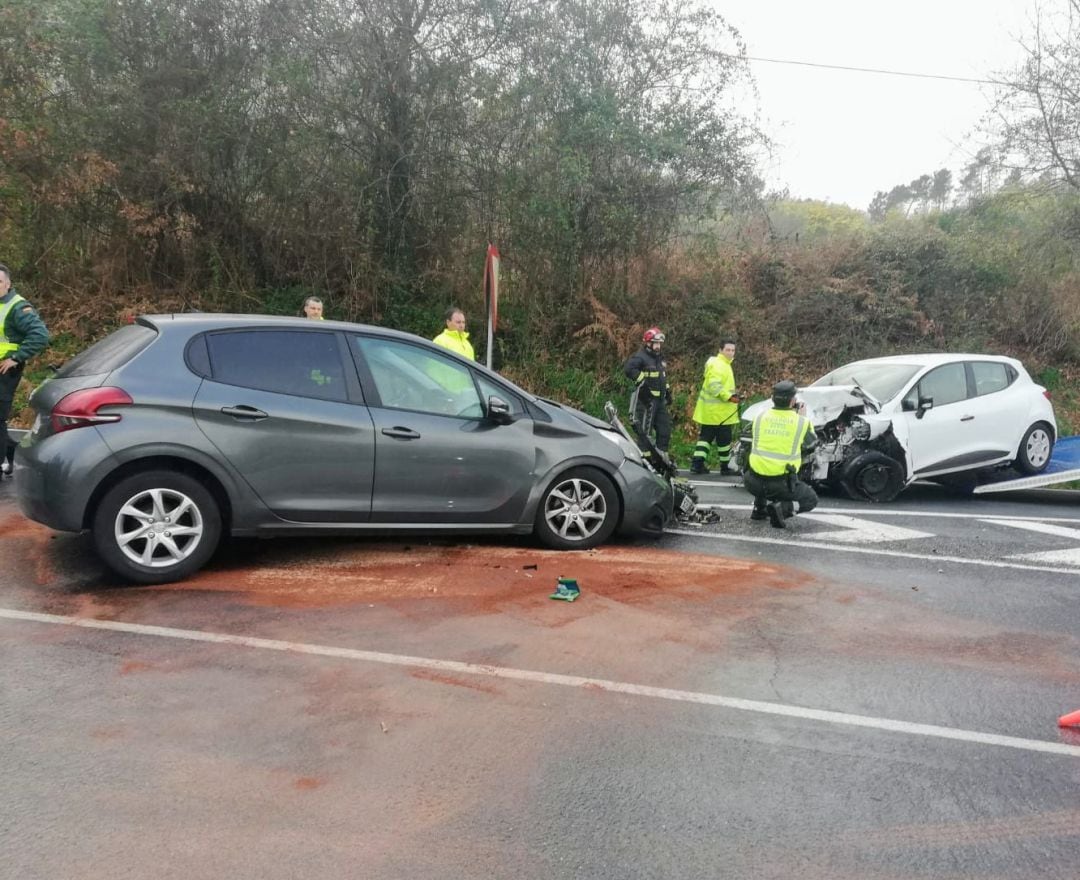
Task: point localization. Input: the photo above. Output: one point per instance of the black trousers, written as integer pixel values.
(9, 381)
(786, 488)
(715, 435)
(652, 414)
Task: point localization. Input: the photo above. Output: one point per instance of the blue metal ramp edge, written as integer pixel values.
(1064, 467)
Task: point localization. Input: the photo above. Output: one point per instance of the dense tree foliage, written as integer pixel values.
(240, 151)
(240, 154)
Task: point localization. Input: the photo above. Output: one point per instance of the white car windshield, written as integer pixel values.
(881, 381)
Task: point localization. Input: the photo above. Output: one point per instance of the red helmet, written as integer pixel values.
(653, 334)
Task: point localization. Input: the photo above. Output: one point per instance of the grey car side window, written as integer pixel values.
(305, 363)
(490, 389)
(414, 378)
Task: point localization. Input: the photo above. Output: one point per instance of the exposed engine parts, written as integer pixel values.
(857, 452)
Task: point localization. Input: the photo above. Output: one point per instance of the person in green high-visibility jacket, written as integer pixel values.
(780, 437)
(22, 335)
(716, 410)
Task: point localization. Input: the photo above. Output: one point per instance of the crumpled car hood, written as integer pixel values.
(824, 403)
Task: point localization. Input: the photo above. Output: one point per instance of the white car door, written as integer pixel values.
(1000, 409)
(945, 436)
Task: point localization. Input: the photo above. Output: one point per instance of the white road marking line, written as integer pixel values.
(791, 540)
(876, 511)
(861, 531)
(1067, 556)
(1041, 527)
(574, 681)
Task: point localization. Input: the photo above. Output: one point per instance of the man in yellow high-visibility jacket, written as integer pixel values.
(454, 337)
(780, 437)
(716, 410)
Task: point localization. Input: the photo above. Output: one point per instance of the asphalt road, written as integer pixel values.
(872, 693)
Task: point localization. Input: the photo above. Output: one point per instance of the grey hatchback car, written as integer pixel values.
(177, 429)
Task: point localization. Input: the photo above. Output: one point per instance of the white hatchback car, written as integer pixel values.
(885, 422)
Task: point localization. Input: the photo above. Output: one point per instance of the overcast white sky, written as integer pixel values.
(841, 136)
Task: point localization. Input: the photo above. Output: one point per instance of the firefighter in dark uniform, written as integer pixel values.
(780, 437)
(22, 335)
(652, 394)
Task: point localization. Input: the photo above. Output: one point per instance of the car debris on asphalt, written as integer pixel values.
(567, 590)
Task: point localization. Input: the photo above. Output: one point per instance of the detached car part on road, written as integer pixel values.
(884, 422)
(178, 429)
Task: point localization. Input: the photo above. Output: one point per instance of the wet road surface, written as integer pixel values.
(732, 701)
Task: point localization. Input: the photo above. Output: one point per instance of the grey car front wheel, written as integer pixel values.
(579, 510)
(157, 527)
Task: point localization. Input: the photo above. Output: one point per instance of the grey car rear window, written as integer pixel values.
(107, 354)
(306, 363)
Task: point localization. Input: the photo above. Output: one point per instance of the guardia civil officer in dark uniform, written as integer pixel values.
(780, 437)
(22, 335)
(648, 371)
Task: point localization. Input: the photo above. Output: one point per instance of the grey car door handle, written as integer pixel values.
(401, 433)
(244, 412)
(966, 418)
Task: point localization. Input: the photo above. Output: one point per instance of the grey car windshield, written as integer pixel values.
(881, 381)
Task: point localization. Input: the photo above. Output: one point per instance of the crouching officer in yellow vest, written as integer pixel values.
(716, 410)
(22, 335)
(780, 437)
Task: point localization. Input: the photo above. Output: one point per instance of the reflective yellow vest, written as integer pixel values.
(777, 442)
(713, 406)
(6, 346)
(456, 340)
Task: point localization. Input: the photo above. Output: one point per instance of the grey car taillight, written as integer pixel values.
(82, 408)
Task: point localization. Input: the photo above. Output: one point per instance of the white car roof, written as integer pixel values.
(933, 360)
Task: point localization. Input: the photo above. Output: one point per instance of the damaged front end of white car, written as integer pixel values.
(858, 452)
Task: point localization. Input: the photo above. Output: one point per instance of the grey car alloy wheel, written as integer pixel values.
(158, 528)
(579, 510)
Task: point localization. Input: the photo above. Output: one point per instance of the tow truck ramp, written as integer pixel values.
(1064, 467)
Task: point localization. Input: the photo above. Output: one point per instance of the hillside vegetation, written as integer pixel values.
(237, 155)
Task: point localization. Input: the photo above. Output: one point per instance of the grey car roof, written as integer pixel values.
(197, 322)
(216, 320)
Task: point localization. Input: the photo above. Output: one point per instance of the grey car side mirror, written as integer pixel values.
(498, 410)
(925, 403)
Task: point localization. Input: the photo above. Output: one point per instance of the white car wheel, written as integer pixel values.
(1035, 449)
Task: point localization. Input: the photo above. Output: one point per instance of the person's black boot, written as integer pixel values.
(697, 466)
(776, 515)
(758, 513)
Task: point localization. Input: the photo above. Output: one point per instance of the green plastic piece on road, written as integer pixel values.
(567, 590)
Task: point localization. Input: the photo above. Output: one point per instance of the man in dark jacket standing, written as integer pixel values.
(652, 394)
(22, 335)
